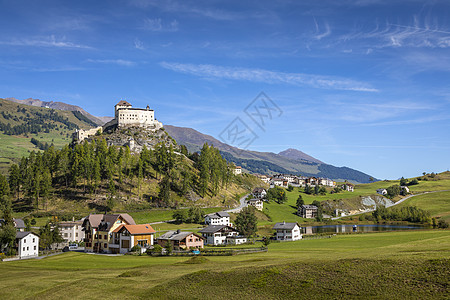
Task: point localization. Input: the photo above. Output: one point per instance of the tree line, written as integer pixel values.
(92, 166)
(38, 122)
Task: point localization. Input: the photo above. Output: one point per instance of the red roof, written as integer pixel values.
(136, 229)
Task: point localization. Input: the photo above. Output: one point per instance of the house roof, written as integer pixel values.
(285, 226)
(215, 228)
(136, 229)
(176, 235)
(254, 200)
(258, 190)
(22, 234)
(70, 223)
(106, 221)
(123, 103)
(109, 220)
(19, 223)
(218, 215)
(309, 206)
(94, 219)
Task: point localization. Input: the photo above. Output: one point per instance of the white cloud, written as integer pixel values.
(50, 41)
(397, 35)
(157, 25)
(119, 62)
(267, 76)
(138, 44)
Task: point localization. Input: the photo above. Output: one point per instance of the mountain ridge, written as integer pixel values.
(289, 161)
(58, 106)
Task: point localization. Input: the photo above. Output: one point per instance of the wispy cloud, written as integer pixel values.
(120, 62)
(392, 35)
(271, 77)
(179, 7)
(320, 34)
(50, 41)
(158, 25)
(139, 44)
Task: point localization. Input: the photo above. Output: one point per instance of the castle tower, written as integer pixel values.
(121, 104)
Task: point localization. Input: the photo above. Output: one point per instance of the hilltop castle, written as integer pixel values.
(125, 116)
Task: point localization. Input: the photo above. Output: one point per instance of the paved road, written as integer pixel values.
(398, 202)
(241, 206)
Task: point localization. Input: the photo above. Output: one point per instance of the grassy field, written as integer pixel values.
(413, 264)
(438, 204)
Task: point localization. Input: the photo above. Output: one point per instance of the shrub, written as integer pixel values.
(442, 224)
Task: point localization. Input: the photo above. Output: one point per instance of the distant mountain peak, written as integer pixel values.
(298, 155)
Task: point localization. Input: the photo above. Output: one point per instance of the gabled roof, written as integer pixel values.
(106, 221)
(136, 229)
(123, 103)
(19, 223)
(215, 228)
(308, 206)
(254, 200)
(176, 235)
(94, 220)
(22, 234)
(217, 215)
(285, 226)
(258, 190)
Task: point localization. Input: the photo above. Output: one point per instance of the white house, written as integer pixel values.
(221, 235)
(287, 231)
(257, 203)
(259, 192)
(72, 231)
(278, 181)
(405, 189)
(27, 244)
(348, 187)
(237, 170)
(307, 211)
(218, 218)
(382, 191)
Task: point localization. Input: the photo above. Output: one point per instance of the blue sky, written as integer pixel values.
(363, 84)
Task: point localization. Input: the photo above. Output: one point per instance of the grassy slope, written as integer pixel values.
(12, 148)
(413, 264)
(286, 212)
(438, 204)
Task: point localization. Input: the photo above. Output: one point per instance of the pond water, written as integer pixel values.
(358, 228)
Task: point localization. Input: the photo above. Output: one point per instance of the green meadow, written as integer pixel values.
(409, 264)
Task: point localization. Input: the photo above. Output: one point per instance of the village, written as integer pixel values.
(118, 233)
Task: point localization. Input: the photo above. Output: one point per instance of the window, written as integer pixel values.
(34, 247)
(34, 240)
(23, 248)
(142, 242)
(24, 241)
(105, 245)
(76, 234)
(65, 234)
(106, 237)
(28, 248)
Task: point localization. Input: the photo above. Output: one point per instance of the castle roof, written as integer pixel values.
(123, 103)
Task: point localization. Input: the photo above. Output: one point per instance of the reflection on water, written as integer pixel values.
(358, 228)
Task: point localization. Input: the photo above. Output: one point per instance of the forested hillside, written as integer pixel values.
(94, 176)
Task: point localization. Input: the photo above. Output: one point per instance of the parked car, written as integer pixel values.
(73, 246)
